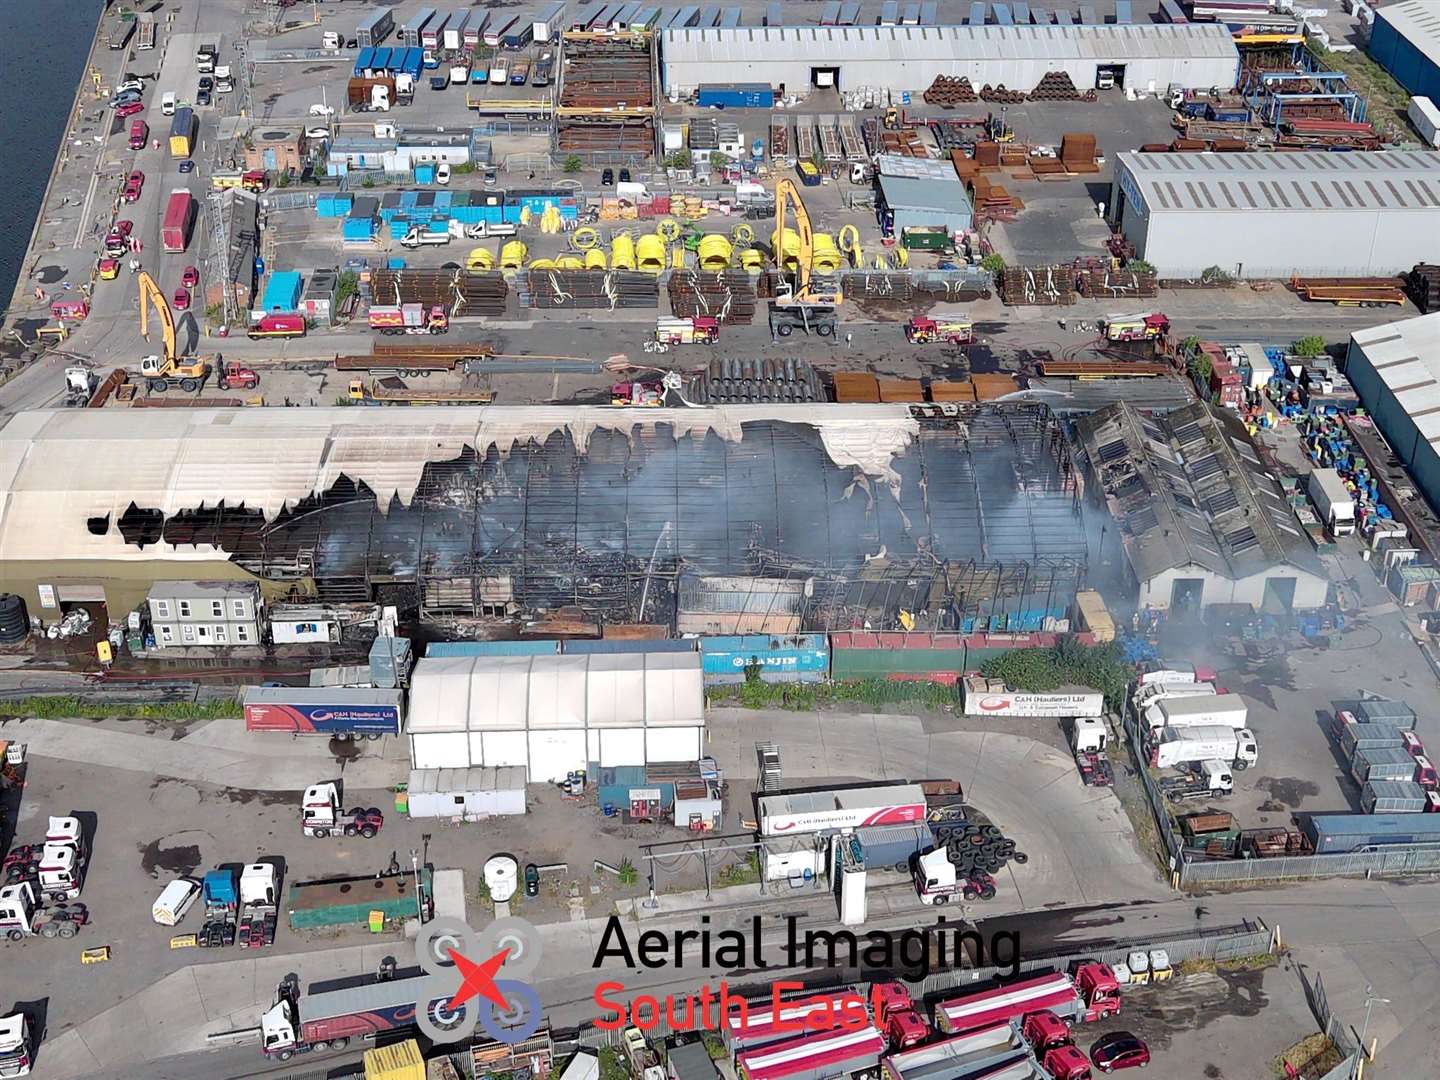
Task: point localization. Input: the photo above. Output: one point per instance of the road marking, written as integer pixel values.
(85, 208)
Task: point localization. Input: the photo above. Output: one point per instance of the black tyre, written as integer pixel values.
(992, 831)
(224, 384)
(189, 385)
(159, 386)
(322, 833)
(969, 895)
(350, 830)
(66, 929)
(1020, 857)
(784, 330)
(938, 900)
(340, 1044)
(15, 935)
(825, 330)
(320, 1047)
(285, 1055)
(987, 893)
(368, 832)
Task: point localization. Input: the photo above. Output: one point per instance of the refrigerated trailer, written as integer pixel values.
(844, 808)
(817, 1057)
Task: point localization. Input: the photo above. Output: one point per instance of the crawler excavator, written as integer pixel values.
(796, 306)
(189, 372)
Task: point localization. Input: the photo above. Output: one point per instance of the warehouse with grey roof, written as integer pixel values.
(1200, 519)
(1275, 215)
(899, 58)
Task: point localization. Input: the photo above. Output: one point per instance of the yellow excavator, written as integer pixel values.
(188, 372)
(796, 305)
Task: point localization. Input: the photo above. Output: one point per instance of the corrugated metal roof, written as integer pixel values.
(1406, 357)
(1418, 22)
(1309, 183)
(907, 193)
(949, 44)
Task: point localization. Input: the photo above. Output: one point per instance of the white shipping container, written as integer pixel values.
(1426, 118)
(1220, 710)
(989, 697)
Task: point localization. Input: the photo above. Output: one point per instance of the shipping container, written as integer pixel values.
(891, 847)
(1384, 763)
(390, 662)
(585, 14)
(411, 32)
(1373, 710)
(349, 901)
(399, 1061)
(1426, 119)
(1171, 12)
(475, 28)
(179, 222)
(492, 648)
(497, 29)
(326, 711)
(1393, 797)
(735, 96)
(1355, 737)
(184, 129)
(889, 13)
(1332, 834)
(454, 36)
(518, 36)
(799, 812)
(1217, 710)
(545, 27)
(433, 33)
(797, 658)
(363, 62)
(375, 28)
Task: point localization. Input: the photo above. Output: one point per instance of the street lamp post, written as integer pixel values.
(1370, 1001)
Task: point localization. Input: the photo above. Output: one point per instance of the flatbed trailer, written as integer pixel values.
(1101, 369)
(850, 138)
(1356, 292)
(804, 138)
(432, 348)
(830, 140)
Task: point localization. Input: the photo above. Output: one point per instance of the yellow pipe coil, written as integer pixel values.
(753, 260)
(787, 249)
(825, 257)
(651, 254)
(480, 259)
(595, 259)
(543, 264)
(714, 252)
(742, 234)
(512, 255)
(668, 229)
(902, 256)
(584, 238)
(569, 262)
(622, 252)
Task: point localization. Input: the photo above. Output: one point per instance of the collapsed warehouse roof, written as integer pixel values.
(504, 511)
(1188, 489)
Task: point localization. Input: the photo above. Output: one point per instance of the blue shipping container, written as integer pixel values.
(800, 658)
(358, 229)
(492, 648)
(362, 61)
(1338, 833)
(735, 96)
(603, 647)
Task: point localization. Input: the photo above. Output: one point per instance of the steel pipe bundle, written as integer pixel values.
(742, 381)
(460, 292)
(729, 296)
(591, 289)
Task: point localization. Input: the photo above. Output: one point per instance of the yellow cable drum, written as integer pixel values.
(569, 262)
(584, 238)
(742, 234)
(595, 259)
(668, 229)
(543, 264)
(651, 254)
(753, 260)
(480, 259)
(622, 252)
(787, 249)
(714, 252)
(825, 257)
(512, 255)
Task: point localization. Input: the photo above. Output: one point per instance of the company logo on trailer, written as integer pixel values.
(465, 987)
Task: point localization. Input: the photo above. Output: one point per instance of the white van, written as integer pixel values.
(175, 901)
(167, 103)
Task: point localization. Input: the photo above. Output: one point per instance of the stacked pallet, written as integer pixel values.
(1078, 152)
(588, 289)
(987, 155)
(1038, 285)
(966, 168)
(1113, 284)
(460, 292)
(728, 296)
(1423, 285)
(1057, 86)
(993, 201)
(946, 91)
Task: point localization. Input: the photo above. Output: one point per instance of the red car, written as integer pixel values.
(125, 226)
(134, 184)
(1119, 1050)
(182, 299)
(130, 108)
(190, 278)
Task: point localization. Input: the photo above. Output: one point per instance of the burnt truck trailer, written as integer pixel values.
(342, 712)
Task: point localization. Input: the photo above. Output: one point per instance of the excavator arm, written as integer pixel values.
(787, 193)
(150, 294)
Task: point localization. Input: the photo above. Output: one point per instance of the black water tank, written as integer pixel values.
(14, 622)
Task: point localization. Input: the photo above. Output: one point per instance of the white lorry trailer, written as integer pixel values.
(1333, 501)
(1218, 710)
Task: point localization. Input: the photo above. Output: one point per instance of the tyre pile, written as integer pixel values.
(974, 848)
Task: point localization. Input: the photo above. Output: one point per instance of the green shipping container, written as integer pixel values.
(925, 238)
(314, 905)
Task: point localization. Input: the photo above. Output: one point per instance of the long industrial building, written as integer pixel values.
(1276, 215)
(713, 517)
(900, 58)
(1405, 41)
(1395, 368)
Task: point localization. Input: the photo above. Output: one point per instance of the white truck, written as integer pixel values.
(1333, 501)
(991, 697)
(1146, 696)
(1216, 710)
(1179, 746)
(22, 915)
(1172, 671)
(56, 866)
(17, 1045)
(259, 906)
(1208, 780)
(422, 237)
(936, 881)
(224, 81)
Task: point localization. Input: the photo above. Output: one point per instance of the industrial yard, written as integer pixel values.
(916, 522)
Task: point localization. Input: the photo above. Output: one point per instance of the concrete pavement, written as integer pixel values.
(210, 755)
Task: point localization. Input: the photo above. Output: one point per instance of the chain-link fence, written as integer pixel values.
(1380, 863)
(1158, 807)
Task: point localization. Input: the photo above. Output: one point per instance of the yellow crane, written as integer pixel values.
(796, 305)
(189, 371)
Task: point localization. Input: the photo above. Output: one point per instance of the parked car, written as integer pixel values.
(130, 86)
(322, 110)
(1119, 1050)
(130, 108)
(351, 43)
(187, 166)
(317, 133)
(625, 176)
(134, 185)
(607, 178)
(206, 83)
(203, 98)
(442, 173)
(532, 879)
(182, 299)
(124, 226)
(109, 269)
(129, 97)
(439, 82)
(190, 277)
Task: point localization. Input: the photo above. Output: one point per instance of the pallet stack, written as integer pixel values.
(728, 296)
(946, 91)
(993, 201)
(1423, 285)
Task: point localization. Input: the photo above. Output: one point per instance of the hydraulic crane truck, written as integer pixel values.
(796, 306)
(190, 372)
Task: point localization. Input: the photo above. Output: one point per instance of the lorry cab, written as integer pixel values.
(15, 1045)
(1088, 734)
(1044, 1031)
(897, 1016)
(277, 1028)
(1217, 776)
(1247, 750)
(167, 103)
(1067, 1063)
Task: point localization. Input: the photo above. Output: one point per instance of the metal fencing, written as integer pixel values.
(1159, 809)
(1341, 1035)
(1366, 864)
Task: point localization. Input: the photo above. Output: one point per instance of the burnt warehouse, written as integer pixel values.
(861, 511)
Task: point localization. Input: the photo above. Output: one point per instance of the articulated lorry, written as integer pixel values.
(1179, 746)
(17, 1046)
(1093, 993)
(991, 697)
(302, 1022)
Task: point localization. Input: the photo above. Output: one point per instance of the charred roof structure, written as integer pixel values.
(866, 511)
(1201, 519)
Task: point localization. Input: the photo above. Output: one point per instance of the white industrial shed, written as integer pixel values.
(1395, 368)
(554, 714)
(1274, 215)
(1199, 55)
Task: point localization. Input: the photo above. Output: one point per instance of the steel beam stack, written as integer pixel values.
(461, 292)
(729, 295)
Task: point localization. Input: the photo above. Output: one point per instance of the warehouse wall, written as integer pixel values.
(1310, 591)
(1276, 245)
(1411, 68)
(1395, 424)
(917, 75)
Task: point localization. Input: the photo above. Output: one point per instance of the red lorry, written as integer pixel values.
(179, 221)
(409, 319)
(1092, 993)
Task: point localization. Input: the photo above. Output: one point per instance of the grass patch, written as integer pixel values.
(62, 707)
(1314, 1055)
(1258, 962)
(804, 697)
(1386, 100)
(744, 872)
